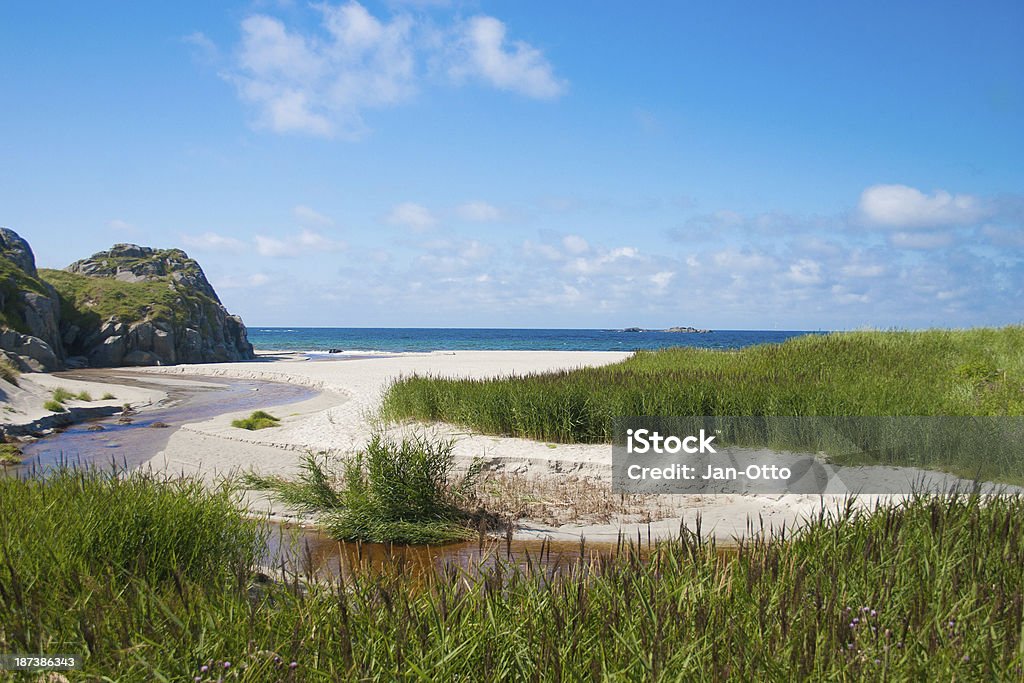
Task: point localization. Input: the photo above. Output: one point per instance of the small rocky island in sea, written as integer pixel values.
(129, 305)
(680, 330)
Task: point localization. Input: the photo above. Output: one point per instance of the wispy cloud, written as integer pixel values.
(212, 241)
(478, 212)
(307, 216)
(414, 216)
(321, 81)
(306, 241)
(119, 225)
(483, 52)
(903, 207)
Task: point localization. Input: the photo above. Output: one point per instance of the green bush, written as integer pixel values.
(10, 454)
(84, 396)
(401, 493)
(258, 420)
(8, 372)
(54, 406)
(62, 395)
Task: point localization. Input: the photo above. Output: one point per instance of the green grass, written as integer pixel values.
(54, 406)
(108, 397)
(84, 396)
(978, 372)
(258, 420)
(10, 454)
(14, 282)
(88, 301)
(390, 492)
(8, 372)
(151, 580)
(62, 395)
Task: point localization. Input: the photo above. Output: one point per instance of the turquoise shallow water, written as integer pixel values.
(403, 340)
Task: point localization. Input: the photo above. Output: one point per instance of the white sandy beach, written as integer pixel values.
(572, 480)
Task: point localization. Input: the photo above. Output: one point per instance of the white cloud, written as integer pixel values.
(478, 212)
(805, 272)
(320, 81)
(246, 282)
(601, 262)
(295, 245)
(574, 244)
(661, 280)
(545, 251)
(212, 241)
(204, 49)
(307, 216)
(900, 206)
(482, 52)
(319, 84)
(863, 270)
(920, 240)
(413, 216)
(119, 225)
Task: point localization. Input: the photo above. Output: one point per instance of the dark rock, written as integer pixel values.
(110, 352)
(139, 358)
(15, 248)
(687, 330)
(28, 353)
(96, 428)
(200, 331)
(159, 425)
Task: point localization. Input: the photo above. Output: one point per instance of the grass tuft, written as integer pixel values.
(54, 406)
(258, 420)
(108, 397)
(10, 454)
(391, 492)
(8, 372)
(62, 395)
(84, 396)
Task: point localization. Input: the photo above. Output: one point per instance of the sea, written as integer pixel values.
(392, 340)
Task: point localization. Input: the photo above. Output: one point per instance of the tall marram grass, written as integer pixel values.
(396, 492)
(978, 372)
(926, 589)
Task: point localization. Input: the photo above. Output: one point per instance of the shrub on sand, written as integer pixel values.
(54, 406)
(8, 372)
(258, 420)
(62, 395)
(10, 454)
(391, 492)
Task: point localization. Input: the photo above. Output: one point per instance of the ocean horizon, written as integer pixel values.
(363, 340)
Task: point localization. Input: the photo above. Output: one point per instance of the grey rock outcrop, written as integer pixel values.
(28, 353)
(16, 249)
(180, 320)
(30, 309)
(200, 331)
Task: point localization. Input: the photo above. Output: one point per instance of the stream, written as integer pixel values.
(112, 444)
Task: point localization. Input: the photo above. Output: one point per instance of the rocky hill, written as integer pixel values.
(129, 305)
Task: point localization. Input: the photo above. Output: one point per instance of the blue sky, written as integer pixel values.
(525, 164)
